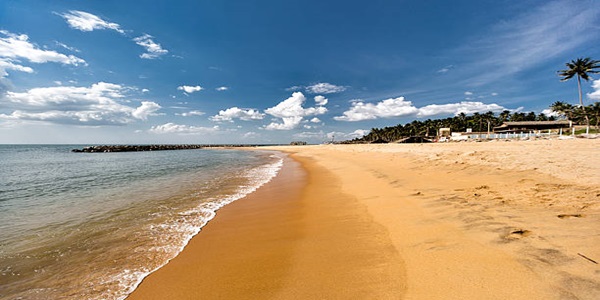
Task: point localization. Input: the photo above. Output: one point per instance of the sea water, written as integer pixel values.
(93, 225)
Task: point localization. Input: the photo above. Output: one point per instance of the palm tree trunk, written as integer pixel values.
(587, 120)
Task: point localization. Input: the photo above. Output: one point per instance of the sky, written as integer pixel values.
(271, 71)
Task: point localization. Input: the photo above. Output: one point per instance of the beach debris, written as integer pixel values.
(587, 258)
(515, 234)
(566, 216)
(521, 232)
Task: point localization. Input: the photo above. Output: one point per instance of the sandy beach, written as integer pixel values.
(490, 220)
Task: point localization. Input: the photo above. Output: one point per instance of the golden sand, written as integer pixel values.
(495, 220)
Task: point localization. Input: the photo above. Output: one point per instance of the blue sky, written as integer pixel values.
(270, 71)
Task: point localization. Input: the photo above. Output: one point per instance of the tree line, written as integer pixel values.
(578, 114)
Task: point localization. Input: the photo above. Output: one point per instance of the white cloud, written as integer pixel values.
(325, 88)
(291, 112)
(87, 22)
(237, 113)
(250, 135)
(190, 89)
(315, 136)
(181, 129)
(467, 93)
(315, 120)
(294, 88)
(445, 69)
(466, 107)
(8, 64)
(359, 133)
(153, 49)
(191, 113)
(494, 94)
(339, 136)
(73, 49)
(97, 105)
(393, 107)
(320, 100)
(595, 95)
(145, 90)
(146, 109)
(15, 47)
(550, 113)
(222, 88)
(399, 107)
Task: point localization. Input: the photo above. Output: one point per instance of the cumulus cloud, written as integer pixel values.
(237, 113)
(190, 89)
(399, 107)
(393, 107)
(85, 21)
(466, 107)
(324, 88)
(291, 112)
(14, 48)
(153, 49)
(595, 95)
(550, 113)
(222, 88)
(191, 113)
(320, 100)
(99, 104)
(146, 109)
(181, 129)
(315, 120)
(334, 135)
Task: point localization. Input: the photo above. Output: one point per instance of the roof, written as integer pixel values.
(521, 123)
(539, 125)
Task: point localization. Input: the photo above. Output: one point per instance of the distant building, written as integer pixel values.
(445, 132)
(298, 143)
(526, 126)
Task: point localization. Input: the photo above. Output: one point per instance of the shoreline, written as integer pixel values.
(484, 220)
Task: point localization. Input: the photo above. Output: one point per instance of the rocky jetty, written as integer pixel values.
(135, 148)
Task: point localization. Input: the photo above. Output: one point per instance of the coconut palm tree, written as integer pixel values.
(580, 67)
(564, 109)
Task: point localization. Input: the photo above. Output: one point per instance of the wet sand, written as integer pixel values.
(496, 220)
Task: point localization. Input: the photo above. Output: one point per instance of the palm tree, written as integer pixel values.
(563, 108)
(504, 115)
(580, 67)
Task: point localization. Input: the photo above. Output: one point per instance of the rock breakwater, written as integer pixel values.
(135, 148)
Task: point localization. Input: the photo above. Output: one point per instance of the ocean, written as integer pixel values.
(93, 225)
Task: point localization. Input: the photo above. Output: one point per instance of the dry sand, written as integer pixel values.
(494, 220)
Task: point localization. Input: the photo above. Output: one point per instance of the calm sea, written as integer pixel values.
(92, 225)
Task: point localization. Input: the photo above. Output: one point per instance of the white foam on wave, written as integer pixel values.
(191, 222)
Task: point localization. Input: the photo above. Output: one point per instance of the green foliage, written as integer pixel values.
(581, 68)
(477, 122)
